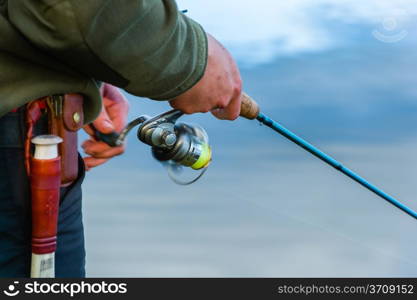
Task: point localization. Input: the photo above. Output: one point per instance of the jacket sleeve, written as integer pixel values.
(147, 47)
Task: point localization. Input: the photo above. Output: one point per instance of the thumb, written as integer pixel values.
(103, 122)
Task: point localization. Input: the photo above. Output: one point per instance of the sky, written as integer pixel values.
(257, 32)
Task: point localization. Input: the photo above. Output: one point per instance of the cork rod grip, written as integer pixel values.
(249, 108)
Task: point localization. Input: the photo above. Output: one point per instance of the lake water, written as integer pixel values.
(265, 207)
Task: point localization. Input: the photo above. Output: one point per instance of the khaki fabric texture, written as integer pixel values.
(49, 47)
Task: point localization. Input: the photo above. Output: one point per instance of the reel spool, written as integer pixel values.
(191, 148)
(175, 145)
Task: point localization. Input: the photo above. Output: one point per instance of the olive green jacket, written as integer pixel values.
(50, 47)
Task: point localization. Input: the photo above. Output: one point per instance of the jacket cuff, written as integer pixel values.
(201, 57)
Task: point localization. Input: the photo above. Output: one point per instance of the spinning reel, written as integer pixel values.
(174, 144)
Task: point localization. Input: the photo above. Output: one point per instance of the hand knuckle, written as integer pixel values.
(237, 88)
(126, 103)
(188, 110)
(206, 109)
(223, 101)
(239, 83)
(232, 115)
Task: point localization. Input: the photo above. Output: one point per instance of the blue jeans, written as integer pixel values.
(15, 211)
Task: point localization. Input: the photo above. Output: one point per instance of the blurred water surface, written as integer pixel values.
(266, 207)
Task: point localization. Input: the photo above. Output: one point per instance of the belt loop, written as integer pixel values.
(33, 114)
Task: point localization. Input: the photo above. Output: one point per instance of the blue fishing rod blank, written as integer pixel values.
(334, 163)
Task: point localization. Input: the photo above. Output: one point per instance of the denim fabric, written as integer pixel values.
(15, 211)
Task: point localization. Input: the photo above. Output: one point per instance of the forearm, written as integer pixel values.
(146, 46)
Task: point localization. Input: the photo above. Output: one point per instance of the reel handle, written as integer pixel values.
(110, 139)
(249, 108)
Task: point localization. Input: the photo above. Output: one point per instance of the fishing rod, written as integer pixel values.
(180, 145)
(253, 112)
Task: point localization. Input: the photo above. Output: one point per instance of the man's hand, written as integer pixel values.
(113, 117)
(218, 91)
